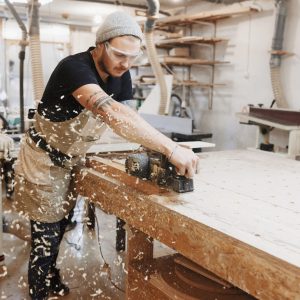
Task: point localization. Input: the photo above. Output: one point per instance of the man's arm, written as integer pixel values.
(128, 124)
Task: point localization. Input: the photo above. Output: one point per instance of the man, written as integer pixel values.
(82, 96)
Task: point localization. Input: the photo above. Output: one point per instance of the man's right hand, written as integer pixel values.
(185, 161)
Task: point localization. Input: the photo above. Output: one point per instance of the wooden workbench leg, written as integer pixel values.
(120, 235)
(139, 257)
(3, 269)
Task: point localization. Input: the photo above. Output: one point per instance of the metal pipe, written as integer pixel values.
(23, 44)
(152, 14)
(19, 21)
(281, 13)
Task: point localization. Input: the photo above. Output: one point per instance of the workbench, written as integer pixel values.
(242, 222)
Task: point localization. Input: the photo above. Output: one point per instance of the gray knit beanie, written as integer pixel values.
(117, 24)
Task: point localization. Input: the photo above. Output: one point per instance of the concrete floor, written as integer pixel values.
(79, 259)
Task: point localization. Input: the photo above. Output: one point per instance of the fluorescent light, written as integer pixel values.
(16, 1)
(43, 2)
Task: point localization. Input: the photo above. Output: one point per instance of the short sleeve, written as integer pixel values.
(75, 74)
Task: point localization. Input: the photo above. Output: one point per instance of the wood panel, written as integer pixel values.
(241, 223)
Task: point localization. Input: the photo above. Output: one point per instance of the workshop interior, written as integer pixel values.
(217, 77)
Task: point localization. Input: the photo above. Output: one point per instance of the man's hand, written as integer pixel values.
(185, 160)
(6, 145)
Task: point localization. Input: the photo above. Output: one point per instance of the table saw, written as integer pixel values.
(241, 222)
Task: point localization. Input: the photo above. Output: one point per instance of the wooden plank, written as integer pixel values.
(187, 40)
(241, 223)
(176, 282)
(183, 261)
(148, 80)
(178, 61)
(113, 147)
(226, 12)
(196, 144)
(182, 61)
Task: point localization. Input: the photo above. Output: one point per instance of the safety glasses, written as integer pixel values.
(118, 55)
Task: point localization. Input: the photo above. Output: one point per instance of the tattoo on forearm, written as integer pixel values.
(102, 101)
(91, 96)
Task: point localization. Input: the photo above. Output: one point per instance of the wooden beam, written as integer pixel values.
(226, 12)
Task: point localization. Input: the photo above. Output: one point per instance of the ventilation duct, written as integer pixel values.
(275, 61)
(23, 44)
(152, 15)
(35, 51)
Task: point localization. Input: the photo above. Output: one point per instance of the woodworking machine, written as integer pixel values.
(156, 167)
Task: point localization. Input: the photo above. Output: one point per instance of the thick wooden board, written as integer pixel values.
(187, 40)
(241, 222)
(182, 61)
(152, 81)
(209, 16)
(114, 147)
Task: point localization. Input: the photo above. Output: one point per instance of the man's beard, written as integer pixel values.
(103, 68)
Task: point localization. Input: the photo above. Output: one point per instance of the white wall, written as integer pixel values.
(57, 41)
(247, 76)
(81, 40)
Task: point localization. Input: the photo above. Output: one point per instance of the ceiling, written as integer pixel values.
(91, 12)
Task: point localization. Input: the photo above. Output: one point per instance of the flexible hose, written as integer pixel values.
(277, 87)
(159, 75)
(35, 52)
(275, 61)
(36, 65)
(153, 8)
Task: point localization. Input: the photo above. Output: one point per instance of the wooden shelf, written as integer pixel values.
(182, 61)
(191, 83)
(178, 46)
(187, 41)
(207, 16)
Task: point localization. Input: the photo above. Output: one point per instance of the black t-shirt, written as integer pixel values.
(74, 71)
